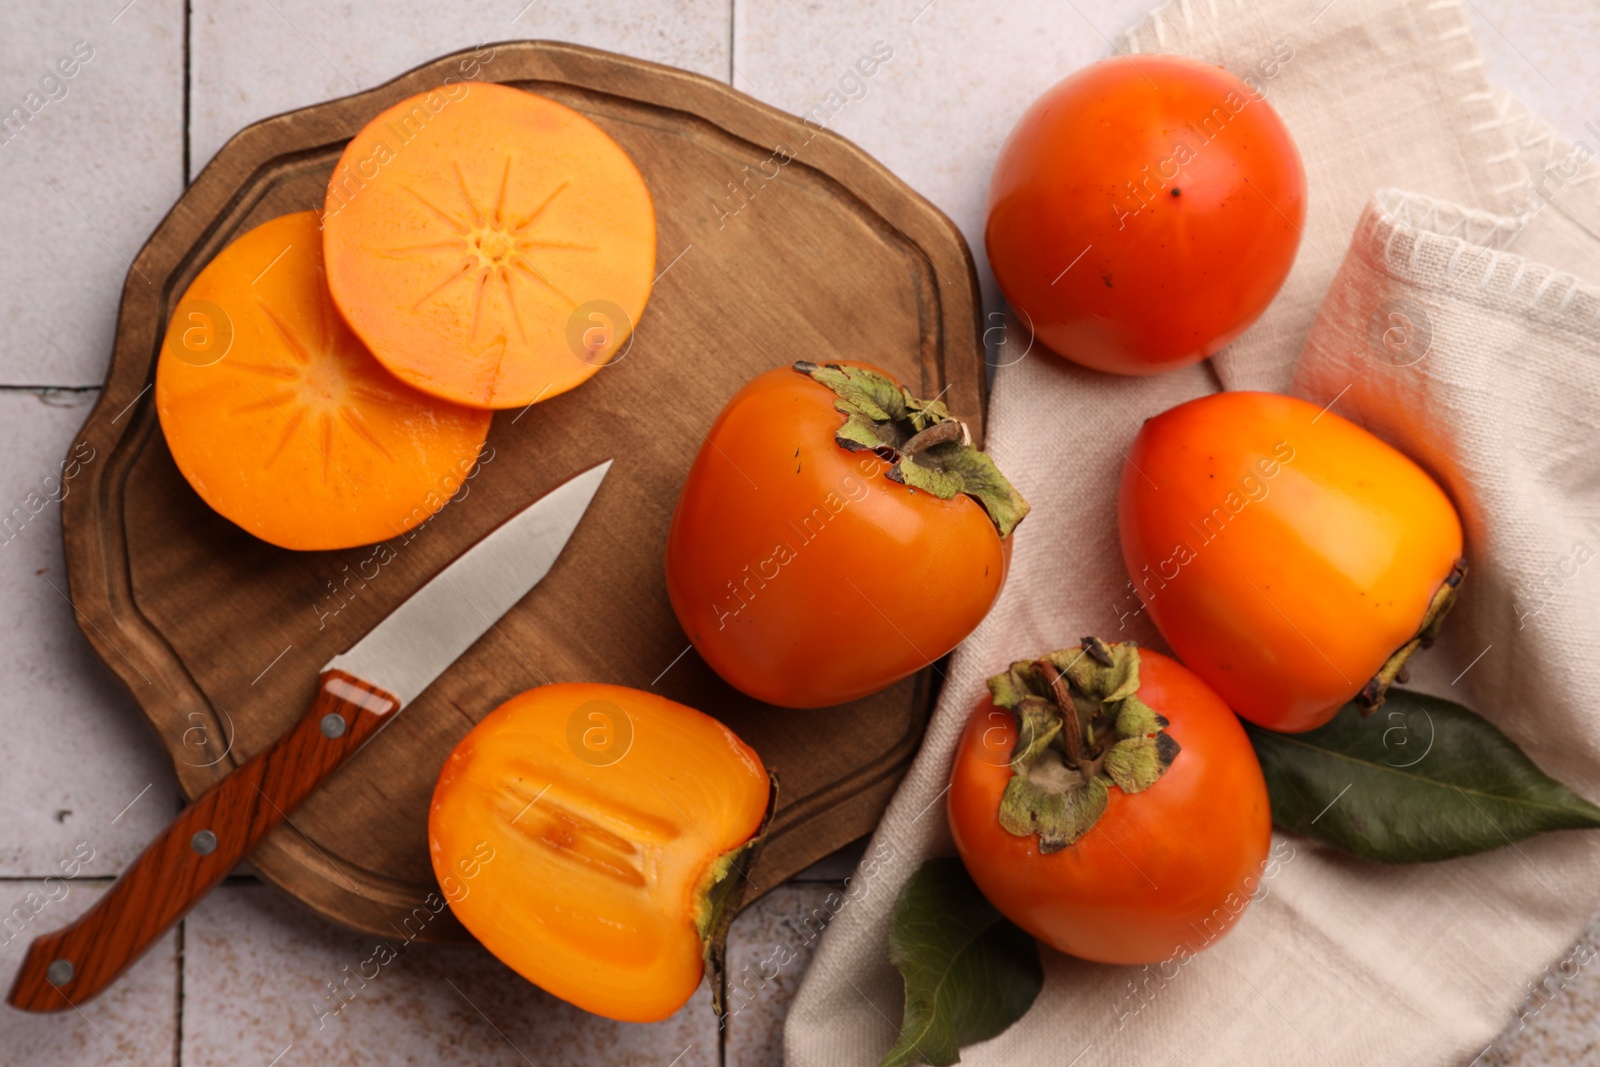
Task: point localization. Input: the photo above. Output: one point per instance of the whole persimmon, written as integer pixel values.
(835, 535)
(1144, 212)
(591, 836)
(1290, 558)
(1108, 802)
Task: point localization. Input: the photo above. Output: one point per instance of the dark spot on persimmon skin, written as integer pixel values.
(1176, 191)
(1106, 277)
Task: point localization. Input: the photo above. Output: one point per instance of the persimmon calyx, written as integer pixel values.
(1371, 696)
(720, 894)
(1081, 728)
(928, 448)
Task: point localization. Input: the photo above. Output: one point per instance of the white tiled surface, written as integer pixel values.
(83, 187)
(76, 752)
(770, 947)
(261, 976)
(134, 1022)
(88, 178)
(252, 58)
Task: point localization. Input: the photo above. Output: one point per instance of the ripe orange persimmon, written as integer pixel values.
(1145, 211)
(835, 534)
(1292, 560)
(617, 820)
(282, 420)
(491, 247)
(1135, 834)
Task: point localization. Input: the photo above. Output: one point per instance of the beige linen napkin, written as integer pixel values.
(1430, 317)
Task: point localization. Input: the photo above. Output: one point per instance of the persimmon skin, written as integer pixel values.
(1144, 212)
(296, 433)
(602, 810)
(1164, 871)
(802, 575)
(1284, 552)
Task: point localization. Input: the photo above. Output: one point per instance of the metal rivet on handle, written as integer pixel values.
(333, 725)
(59, 973)
(204, 842)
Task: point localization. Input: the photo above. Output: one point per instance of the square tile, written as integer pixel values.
(133, 1021)
(82, 770)
(769, 948)
(90, 163)
(252, 60)
(263, 978)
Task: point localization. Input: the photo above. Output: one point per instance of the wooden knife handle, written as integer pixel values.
(223, 825)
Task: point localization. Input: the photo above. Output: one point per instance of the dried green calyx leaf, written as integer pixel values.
(1081, 729)
(1370, 698)
(1136, 762)
(1135, 718)
(720, 894)
(927, 447)
(1038, 725)
(1056, 803)
(1109, 672)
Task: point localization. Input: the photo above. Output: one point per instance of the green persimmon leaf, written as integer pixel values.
(1421, 779)
(969, 971)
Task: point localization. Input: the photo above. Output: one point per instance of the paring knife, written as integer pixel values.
(359, 691)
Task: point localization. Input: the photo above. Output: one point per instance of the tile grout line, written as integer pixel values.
(177, 1028)
(188, 81)
(183, 923)
(722, 1030)
(187, 163)
(107, 879)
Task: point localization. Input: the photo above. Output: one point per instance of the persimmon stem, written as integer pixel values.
(1097, 650)
(1071, 729)
(937, 434)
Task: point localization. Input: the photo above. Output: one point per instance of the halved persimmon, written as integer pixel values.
(618, 822)
(281, 419)
(492, 247)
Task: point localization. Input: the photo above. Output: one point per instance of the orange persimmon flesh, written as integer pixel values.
(576, 832)
(492, 247)
(281, 419)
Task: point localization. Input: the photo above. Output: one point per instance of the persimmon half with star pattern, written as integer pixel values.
(491, 246)
(280, 418)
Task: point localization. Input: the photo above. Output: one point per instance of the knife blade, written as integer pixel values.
(358, 692)
(416, 642)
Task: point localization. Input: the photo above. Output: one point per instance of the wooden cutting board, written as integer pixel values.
(777, 242)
